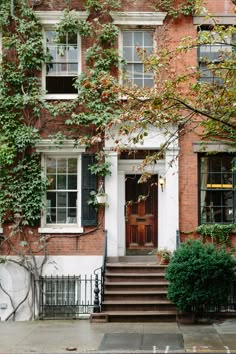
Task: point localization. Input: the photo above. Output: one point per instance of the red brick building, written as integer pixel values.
(73, 230)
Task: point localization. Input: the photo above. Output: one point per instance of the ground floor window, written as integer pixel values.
(70, 184)
(217, 188)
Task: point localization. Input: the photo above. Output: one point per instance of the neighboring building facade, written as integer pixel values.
(177, 202)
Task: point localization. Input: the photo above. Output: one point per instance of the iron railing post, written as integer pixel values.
(96, 307)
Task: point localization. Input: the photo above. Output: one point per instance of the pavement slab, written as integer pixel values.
(81, 336)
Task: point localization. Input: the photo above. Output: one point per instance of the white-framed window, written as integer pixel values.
(63, 67)
(70, 182)
(213, 53)
(62, 194)
(134, 70)
(59, 73)
(137, 31)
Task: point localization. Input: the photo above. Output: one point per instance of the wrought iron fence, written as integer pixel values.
(228, 307)
(66, 296)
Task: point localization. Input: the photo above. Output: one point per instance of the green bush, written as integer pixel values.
(200, 274)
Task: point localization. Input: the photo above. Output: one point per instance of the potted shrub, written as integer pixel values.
(163, 255)
(200, 276)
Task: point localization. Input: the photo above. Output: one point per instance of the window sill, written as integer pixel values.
(62, 96)
(63, 229)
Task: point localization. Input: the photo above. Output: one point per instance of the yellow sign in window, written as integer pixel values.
(215, 185)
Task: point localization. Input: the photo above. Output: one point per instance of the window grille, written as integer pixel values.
(134, 70)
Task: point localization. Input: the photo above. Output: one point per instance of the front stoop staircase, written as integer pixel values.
(135, 290)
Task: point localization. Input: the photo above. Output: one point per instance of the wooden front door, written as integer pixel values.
(141, 215)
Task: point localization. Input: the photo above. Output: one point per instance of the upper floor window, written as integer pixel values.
(213, 54)
(59, 73)
(217, 194)
(134, 69)
(63, 67)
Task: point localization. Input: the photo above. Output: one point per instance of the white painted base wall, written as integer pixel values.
(14, 280)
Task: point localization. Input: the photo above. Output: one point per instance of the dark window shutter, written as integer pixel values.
(89, 184)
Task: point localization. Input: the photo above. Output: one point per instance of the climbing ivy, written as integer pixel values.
(21, 106)
(175, 9)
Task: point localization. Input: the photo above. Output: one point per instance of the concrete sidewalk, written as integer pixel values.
(81, 336)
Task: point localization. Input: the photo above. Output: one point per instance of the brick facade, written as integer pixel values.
(188, 170)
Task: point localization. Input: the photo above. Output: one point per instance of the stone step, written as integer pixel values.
(133, 305)
(137, 302)
(141, 277)
(134, 316)
(135, 268)
(136, 294)
(137, 285)
(132, 259)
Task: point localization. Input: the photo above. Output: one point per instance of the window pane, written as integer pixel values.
(72, 38)
(51, 165)
(127, 38)
(72, 54)
(61, 199)
(61, 165)
(138, 82)
(72, 165)
(72, 199)
(52, 180)
(148, 40)
(61, 216)
(138, 70)
(72, 218)
(138, 39)
(72, 69)
(61, 182)
(62, 84)
(148, 82)
(128, 54)
(52, 51)
(51, 198)
(72, 182)
(50, 35)
(53, 216)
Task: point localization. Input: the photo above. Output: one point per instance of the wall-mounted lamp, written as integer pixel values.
(162, 182)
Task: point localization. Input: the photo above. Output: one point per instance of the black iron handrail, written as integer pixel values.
(100, 271)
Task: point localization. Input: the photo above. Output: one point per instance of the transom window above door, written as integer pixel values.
(134, 70)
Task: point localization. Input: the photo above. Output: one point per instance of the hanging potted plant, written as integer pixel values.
(101, 196)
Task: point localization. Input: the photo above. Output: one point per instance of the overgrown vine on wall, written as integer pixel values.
(22, 109)
(176, 8)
